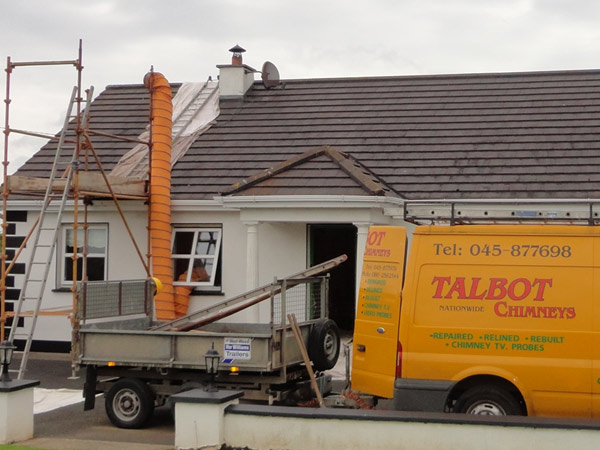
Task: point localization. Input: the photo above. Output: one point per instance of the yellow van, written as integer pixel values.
(490, 319)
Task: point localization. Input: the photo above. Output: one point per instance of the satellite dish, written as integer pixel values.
(270, 75)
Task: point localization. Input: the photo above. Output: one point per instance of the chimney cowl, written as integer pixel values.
(236, 58)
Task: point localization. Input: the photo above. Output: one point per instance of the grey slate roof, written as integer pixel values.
(513, 135)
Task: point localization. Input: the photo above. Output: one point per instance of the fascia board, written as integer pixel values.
(311, 201)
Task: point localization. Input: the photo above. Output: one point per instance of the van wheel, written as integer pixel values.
(129, 403)
(324, 344)
(488, 400)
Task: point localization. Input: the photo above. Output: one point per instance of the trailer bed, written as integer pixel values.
(249, 347)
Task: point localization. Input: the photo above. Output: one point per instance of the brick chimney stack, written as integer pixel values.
(236, 78)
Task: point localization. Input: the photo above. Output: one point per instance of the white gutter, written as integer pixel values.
(392, 206)
(345, 201)
(133, 205)
(309, 201)
(242, 202)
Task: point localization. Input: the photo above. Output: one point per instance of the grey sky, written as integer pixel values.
(186, 39)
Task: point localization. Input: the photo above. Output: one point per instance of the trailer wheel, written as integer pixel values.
(129, 403)
(488, 400)
(324, 344)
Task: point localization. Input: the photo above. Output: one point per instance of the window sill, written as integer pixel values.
(62, 289)
(207, 292)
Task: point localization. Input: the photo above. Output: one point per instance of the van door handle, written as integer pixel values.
(381, 330)
(361, 348)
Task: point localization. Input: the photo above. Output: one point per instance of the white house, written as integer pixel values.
(272, 177)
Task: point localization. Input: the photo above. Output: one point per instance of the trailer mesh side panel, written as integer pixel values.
(100, 299)
(305, 300)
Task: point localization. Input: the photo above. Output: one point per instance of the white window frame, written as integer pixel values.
(63, 254)
(197, 229)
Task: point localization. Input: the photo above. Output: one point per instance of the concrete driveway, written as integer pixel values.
(70, 427)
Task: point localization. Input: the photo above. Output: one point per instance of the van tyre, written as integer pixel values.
(488, 400)
(324, 344)
(129, 403)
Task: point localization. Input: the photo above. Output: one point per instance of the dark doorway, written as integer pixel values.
(327, 242)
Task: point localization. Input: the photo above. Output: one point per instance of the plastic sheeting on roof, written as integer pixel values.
(195, 107)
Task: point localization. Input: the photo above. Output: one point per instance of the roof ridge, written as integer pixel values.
(359, 173)
(441, 75)
(138, 85)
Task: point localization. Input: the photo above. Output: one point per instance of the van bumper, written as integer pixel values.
(411, 394)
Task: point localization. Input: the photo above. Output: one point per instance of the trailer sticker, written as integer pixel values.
(237, 348)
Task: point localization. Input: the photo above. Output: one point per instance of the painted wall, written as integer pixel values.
(263, 427)
(282, 251)
(123, 263)
(384, 431)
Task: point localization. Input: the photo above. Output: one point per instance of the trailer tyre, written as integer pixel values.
(129, 403)
(489, 400)
(324, 344)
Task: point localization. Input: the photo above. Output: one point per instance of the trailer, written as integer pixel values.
(137, 363)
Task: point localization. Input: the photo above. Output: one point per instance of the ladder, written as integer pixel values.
(45, 238)
(193, 108)
(502, 211)
(245, 300)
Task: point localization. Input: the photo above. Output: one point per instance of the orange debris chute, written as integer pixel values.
(161, 113)
(182, 293)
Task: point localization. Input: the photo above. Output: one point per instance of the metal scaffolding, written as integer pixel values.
(71, 185)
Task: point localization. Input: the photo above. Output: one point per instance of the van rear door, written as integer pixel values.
(378, 313)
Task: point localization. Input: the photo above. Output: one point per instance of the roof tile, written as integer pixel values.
(524, 135)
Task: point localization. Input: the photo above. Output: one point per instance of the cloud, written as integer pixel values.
(185, 40)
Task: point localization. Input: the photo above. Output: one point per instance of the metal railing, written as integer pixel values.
(456, 212)
(103, 299)
(306, 298)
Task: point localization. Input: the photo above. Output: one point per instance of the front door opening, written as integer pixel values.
(327, 242)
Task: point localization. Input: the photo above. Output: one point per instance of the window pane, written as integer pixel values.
(180, 267)
(207, 243)
(68, 265)
(69, 268)
(96, 241)
(202, 270)
(69, 241)
(182, 244)
(95, 269)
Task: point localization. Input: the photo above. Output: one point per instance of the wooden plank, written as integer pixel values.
(94, 182)
(89, 182)
(16, 183)
(304, 352)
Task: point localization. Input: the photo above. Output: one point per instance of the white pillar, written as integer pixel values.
(252, 266)
(362, 230)
(16, 410)
(199, 417)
